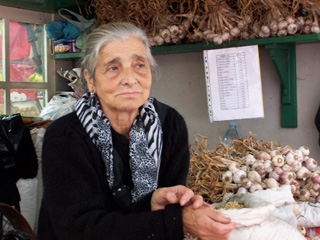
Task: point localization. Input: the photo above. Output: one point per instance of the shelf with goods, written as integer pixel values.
(282, 52)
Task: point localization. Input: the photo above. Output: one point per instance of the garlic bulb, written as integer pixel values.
(299, 154)
(246, 183)
(304, 195)
(278, 161)
(227, 176)
(242, 190)
(285, 150)
(291, 158)
(255, 187)
(238, 176)
(311, 164)
(268, 166)
(303, 173)
(233, 167)
(272, 183)
(286, 177)
(254, 176)
(264, 155)
(250, 159)
(296, 208)
(274, 175)
(305, 150)
(315, 177)
(274, 153)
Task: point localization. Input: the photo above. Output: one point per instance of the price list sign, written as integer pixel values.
(233, 83)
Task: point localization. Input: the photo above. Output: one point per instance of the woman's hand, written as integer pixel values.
(205, 223)
(177, 194)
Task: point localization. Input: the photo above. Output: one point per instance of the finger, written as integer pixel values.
(171, 197)
(197, 201)
(187, 195)
(219, 217)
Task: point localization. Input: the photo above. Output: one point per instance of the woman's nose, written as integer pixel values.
(128, 76)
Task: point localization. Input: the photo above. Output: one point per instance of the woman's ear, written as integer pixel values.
(89, 80)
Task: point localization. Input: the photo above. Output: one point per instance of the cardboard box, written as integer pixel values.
(65, 47)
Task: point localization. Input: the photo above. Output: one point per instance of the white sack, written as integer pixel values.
(277, 197)
(28, 204)
(271, 228)
(286, 213)
(255, 210)
(309, 215)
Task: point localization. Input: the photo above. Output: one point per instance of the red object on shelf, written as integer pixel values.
(312, 232)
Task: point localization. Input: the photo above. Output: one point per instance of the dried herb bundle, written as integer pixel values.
(207, 166)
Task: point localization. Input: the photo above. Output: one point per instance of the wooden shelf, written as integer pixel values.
(282, 52)
(194, 47)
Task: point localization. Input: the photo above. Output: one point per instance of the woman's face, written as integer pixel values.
(122, 76)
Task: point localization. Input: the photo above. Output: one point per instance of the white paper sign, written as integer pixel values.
(233, 83)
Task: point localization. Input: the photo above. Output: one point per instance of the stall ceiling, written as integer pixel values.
(49, 6)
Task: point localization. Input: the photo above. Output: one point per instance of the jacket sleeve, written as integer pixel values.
(175, 160)
(78, 205)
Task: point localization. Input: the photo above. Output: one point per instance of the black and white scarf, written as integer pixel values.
(145, 143)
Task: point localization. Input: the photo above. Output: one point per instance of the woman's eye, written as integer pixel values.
(112, 68)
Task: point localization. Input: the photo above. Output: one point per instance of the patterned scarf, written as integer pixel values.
(145, 143)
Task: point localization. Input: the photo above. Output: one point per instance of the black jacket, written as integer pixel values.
(78, 203)
(26, 167)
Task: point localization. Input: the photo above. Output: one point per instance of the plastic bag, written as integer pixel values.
(61, 31)
(81, 22)
(309, 214)
(74, 76)
(59, 105)
(11, 131)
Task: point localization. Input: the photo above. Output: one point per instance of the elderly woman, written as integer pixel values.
(115, 168)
